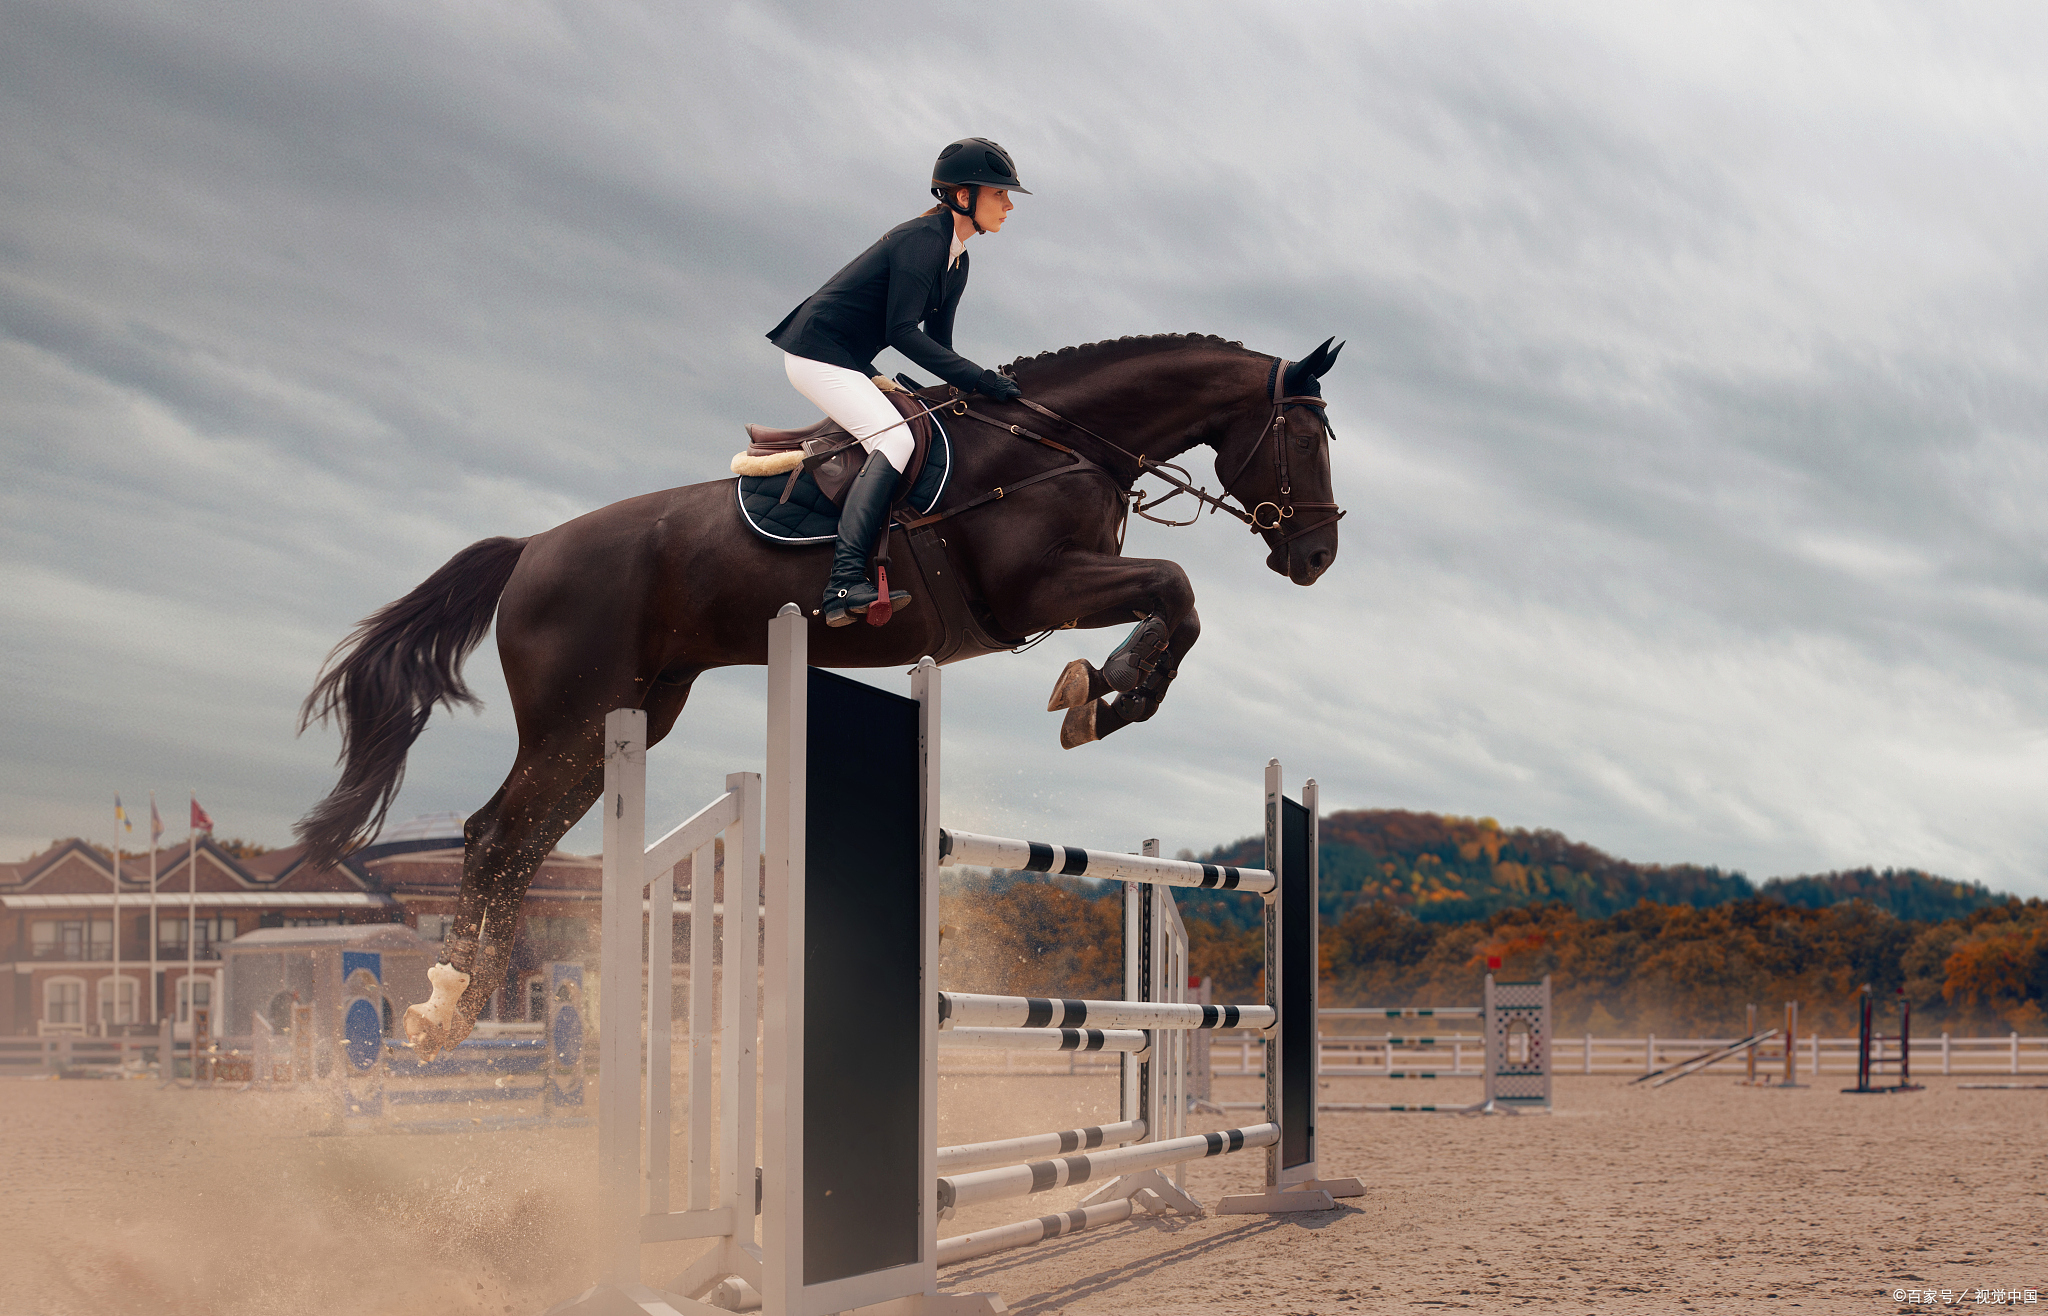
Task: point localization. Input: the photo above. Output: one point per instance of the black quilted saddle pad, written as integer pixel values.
(809, 517)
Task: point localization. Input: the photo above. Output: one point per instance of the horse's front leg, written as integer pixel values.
(1100, 715)
(1128, 666)
(1095, 589)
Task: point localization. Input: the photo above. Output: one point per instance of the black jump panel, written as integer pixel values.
(1297, 987)
(863, 1001)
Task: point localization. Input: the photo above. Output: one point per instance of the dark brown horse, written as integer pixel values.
(625, 607)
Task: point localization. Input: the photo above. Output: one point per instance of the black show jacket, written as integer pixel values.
(879, 300)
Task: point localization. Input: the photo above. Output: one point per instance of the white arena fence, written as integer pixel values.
(1464, 1055)
(1242, 1055)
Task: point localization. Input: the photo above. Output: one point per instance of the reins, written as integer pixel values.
(1078, 466)
(1254, 519)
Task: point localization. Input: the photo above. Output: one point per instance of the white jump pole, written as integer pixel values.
(618, 1030)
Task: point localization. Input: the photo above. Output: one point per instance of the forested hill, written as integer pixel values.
(1900, 892)
(1449, 869)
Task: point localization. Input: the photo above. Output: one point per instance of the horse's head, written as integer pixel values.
(1161, 395)
(1277, 464)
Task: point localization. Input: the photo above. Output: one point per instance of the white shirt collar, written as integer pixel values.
(959, 246)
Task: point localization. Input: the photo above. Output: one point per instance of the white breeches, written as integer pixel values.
(851, 399)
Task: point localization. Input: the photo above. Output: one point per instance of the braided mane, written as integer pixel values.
(1127, 346)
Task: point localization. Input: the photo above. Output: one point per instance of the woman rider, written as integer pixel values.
(914, 275)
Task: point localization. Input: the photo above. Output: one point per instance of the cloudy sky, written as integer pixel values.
(1690, 423)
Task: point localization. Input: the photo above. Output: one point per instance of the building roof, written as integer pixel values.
(174, 900)
(363, 936)
(421, 859)
(447, 826)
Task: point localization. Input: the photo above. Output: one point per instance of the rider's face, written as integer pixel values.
(993, 207)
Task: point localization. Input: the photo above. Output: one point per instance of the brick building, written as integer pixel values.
(57, 921)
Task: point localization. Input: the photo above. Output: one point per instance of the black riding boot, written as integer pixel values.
(849, 592)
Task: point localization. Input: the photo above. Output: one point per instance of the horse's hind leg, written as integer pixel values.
(506, 841)
(1100, 716)
(550, 786)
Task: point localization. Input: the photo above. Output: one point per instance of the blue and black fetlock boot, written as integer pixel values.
(1127, 667)
(1138, 656)
(848, 591)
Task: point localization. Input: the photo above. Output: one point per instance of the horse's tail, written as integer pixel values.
(380, 686)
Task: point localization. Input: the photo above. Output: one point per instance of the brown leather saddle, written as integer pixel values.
(829, 453)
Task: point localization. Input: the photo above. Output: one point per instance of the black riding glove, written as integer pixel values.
(1000, 387)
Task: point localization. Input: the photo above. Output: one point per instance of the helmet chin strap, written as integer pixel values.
(945, 196)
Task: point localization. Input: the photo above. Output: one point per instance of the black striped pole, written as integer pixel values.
(1073, 861)
(1009, 1151)
(965, 1247)
(957, 1009)
(1043, 1176)
(1127, 1040)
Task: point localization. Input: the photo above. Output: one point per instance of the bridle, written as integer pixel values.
(1276, 427)
(1263, 518)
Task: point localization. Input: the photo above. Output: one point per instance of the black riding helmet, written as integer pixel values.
(974, 162)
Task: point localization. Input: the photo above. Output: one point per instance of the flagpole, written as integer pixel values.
(114, 1014)
(192, 929)
(155, 831)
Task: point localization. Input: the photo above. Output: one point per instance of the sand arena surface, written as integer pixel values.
(1704, 1196)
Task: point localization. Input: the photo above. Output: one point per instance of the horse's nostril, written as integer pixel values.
(1320, 560)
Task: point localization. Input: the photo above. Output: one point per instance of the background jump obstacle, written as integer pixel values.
(1691, 1065)
(1517, 1040)
(851, 1222)
(380, 1076)
(1870, 1047)
(1789, 1037)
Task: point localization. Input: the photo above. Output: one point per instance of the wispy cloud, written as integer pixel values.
(1690, 423)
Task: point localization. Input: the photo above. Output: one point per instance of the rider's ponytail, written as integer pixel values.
(945, 194)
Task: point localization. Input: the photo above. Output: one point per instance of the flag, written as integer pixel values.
(156, 821)
(121, 815)
(200, 822)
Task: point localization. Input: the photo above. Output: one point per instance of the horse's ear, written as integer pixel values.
(1320, 360)
(1303, 374)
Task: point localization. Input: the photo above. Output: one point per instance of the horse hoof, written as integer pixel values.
(424, 1035)
(436, 1024)
(1078, 728)
(1078, 684)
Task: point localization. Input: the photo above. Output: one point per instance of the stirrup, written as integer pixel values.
(854, 607)
(886, 600)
